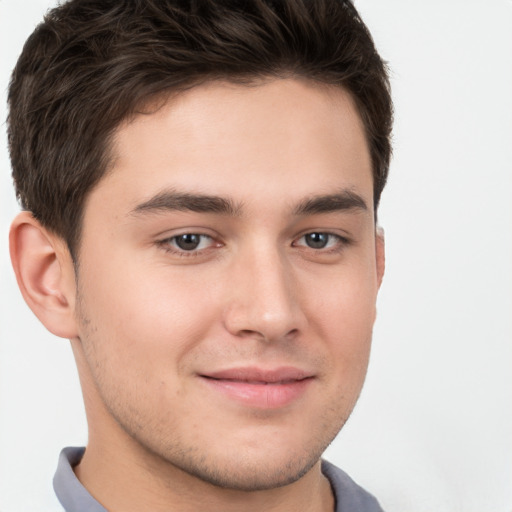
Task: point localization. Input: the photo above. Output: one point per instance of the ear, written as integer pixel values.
(380, 254)
(45, 274)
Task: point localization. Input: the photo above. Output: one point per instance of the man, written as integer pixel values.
(200, 182)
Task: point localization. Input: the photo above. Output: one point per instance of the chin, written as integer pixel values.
(249, 476)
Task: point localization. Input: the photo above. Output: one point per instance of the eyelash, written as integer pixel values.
(182, 253)
(339, 245)
(340, 242)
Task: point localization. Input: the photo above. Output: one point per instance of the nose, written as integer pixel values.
(263, 301)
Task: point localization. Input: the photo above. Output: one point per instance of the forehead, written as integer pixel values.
(278, 140)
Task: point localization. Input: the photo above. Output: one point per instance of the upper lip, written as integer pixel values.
(253, 374)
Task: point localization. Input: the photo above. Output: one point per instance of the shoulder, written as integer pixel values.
(350, 497)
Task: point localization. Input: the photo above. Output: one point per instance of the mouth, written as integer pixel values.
(260, 388)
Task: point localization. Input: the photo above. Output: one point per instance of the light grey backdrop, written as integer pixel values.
(433, 428)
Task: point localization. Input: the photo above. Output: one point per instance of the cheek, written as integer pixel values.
(147, 318)
(343, 314)
(343, 303)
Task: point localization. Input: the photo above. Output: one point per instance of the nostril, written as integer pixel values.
(268, 335)
(248, 333)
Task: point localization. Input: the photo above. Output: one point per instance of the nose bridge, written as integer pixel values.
(263, 300)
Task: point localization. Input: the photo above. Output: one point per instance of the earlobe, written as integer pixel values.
(45, 274)
(380, 254)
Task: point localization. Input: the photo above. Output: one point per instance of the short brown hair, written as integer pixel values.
(92, 63)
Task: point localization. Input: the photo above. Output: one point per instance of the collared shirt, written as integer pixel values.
(73, 496)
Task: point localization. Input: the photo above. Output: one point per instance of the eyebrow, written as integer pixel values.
(172, 200)
(344, 200)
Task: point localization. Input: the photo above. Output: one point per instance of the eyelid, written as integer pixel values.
(167, 244)
(341, 241)
(337, 243)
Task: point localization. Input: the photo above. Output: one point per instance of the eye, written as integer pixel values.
(320, 240)
(317, 240)
(188, 242)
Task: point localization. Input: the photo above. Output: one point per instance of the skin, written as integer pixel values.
(150, 321)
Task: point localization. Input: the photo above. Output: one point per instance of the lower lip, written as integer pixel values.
(261, 396)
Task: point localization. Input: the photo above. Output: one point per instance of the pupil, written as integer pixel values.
(188, 242)
(317, 240)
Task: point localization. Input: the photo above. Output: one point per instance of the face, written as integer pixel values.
(227, 281)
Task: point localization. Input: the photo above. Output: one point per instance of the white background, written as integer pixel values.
(433, 428)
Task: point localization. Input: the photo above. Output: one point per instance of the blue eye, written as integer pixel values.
(320, 240)
(188, 242)
(317, 240)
